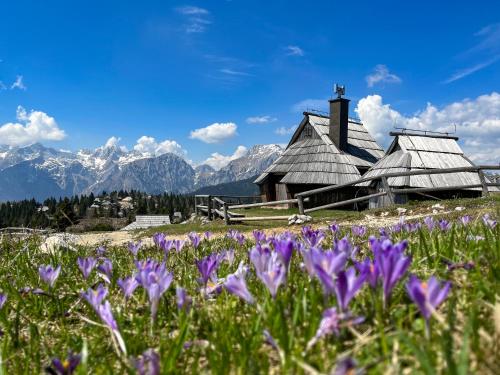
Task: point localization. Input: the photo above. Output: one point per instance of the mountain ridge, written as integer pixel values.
(39, 172)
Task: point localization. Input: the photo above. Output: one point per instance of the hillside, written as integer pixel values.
(243, 187)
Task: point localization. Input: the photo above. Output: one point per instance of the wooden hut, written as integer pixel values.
(414, 151)
(324, 150)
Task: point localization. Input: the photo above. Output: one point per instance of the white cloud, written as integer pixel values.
(294, 51)
(192, 10)
(232, 72)
(18, 84)
(197, 19)
(215, 133)
(285, 131)
(2, 86)
(311, 104)
(477, 122)
(468, 71)
(381, 74)
(35, 126)
(148, 146)
(112, 142)
(218, 161)
(260, 119)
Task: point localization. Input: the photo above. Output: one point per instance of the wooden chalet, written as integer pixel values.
(418, 151)
(324, 150)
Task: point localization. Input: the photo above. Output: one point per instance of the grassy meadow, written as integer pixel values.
(290, 303)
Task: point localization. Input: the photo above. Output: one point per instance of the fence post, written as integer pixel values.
(300, 202)
(388, 190)
(226, 214)
(482, 178)
(196, 205)
(209, 207)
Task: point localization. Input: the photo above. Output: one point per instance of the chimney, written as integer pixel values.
(339, 118)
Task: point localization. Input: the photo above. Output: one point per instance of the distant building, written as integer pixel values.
(418, 151)
(326, 149)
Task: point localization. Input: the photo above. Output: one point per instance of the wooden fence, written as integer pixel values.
(217, 206)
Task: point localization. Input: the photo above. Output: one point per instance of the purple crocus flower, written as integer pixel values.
(105, 269)
(183, 299)
(371, 270)
(49, 274)
(488, 221)
(347, 285)
(331, 323)
(178, 245)
(269, 268)
(269, 339)
(411, 227)
(134, 247)
(155, 278)
(392, 264)
(444, 225)
(284, 247)
(86, 265)
(307, 258)
(227, 256)
(161, 241)
(101, 250)
(427, 295)
(102, 308)
(158, 238)
(383, 233)
(465, 220)
(148, 363)
(430, 223)
(346, 366)
(344, 245)
(207, 235)
(259, 236)
(312, 237)
(358, 230)
(68, 365)
(236, 284)
(106, 314)
(195, 239)
(128, 285)
(207, 266)
(95, 296)
(334, 228)
(232, 233)
(3, 299)
(327, 264)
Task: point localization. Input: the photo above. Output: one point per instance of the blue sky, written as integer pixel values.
(163, 69)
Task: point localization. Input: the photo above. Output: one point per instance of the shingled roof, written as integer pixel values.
(312, 158)
(410, 152)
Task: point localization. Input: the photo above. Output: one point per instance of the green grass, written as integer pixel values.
(225, 334)
(473, 206)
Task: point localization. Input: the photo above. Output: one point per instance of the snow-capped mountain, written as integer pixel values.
(40, 172)
(256, 160)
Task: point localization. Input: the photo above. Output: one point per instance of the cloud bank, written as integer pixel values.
(32, 127)
(477, 122)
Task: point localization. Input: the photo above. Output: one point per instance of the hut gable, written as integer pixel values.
(417, 152)
(311, 157)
